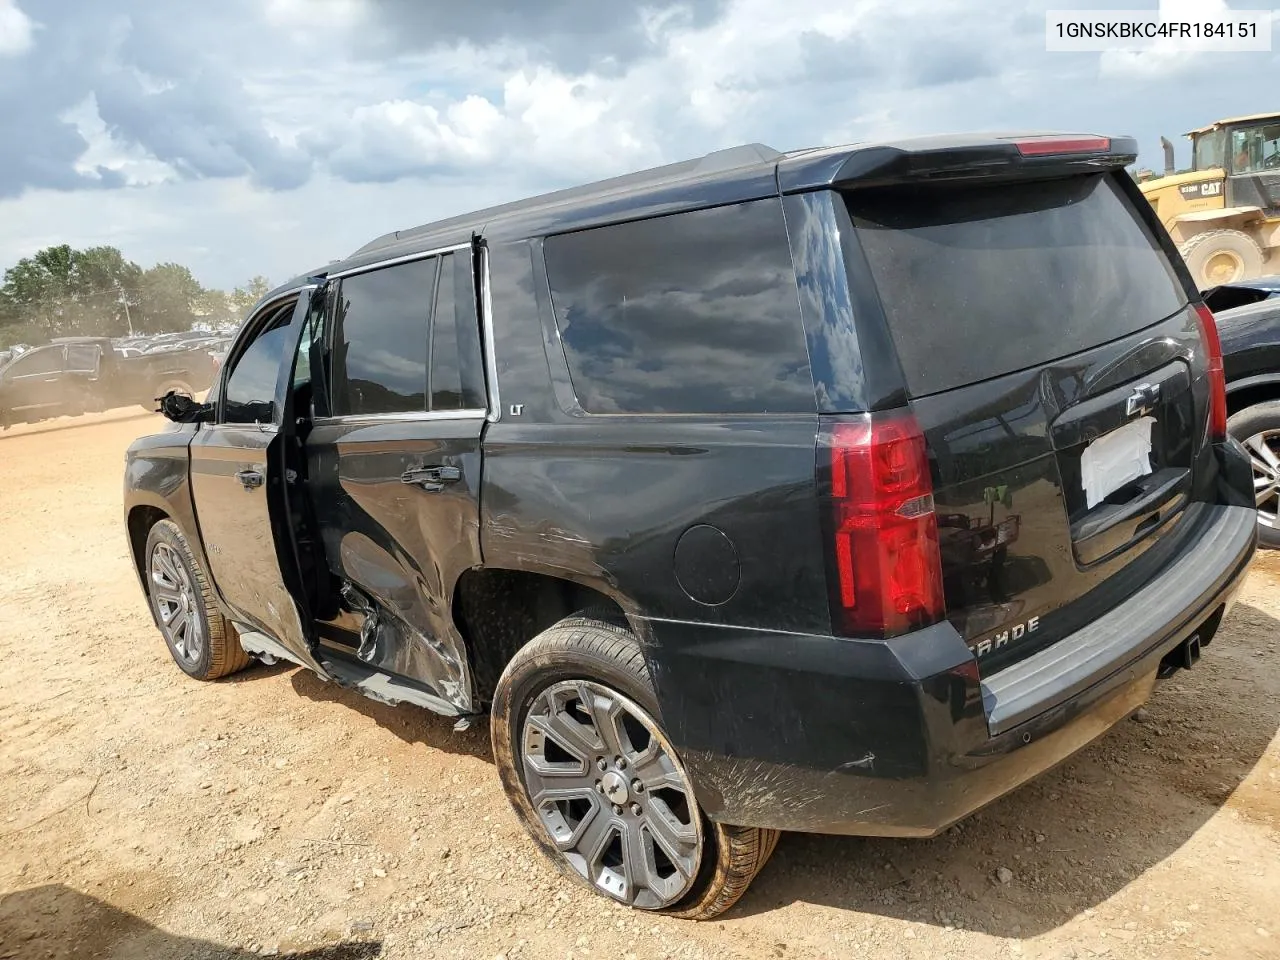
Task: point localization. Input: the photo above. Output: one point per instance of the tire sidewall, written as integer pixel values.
(1246, 423)
(166, 531)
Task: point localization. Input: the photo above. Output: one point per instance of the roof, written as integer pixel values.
(736, 175)
(1219, 124)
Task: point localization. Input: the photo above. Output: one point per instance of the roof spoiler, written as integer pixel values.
(997, 159)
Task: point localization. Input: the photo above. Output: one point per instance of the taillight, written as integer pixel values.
(1217, 376)
(1045, 146)
(885, 571)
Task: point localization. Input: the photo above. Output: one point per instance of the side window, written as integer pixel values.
(251, 384)
(692, 313)
(38, 363)
(83, 357)
(1256, 149)
(457, 377)
(379, 359)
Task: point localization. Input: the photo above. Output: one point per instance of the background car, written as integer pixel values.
(1249, 324)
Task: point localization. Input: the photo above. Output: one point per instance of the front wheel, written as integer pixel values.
(199, 639)
(1222, 256)
(599, 787)
(1258, 428)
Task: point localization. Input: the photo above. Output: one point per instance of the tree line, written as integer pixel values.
(63, 292)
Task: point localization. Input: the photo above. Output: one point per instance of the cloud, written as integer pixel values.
(16, 30)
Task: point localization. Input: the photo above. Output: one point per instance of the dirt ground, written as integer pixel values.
(144, 815)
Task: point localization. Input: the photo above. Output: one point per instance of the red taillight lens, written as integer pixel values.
(1217, 376)
(1045, 146)
(887, 576)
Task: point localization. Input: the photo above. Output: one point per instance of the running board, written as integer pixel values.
(374, 684)
(385, 688)
(265, 648)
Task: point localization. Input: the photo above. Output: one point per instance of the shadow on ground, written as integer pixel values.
(58, 923)
(410, 724)
(1077, 835)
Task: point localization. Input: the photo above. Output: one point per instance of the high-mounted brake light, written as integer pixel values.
(1045, 146)
(1217, 375)
(886, 569)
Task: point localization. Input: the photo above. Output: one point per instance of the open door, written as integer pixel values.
(239, 485)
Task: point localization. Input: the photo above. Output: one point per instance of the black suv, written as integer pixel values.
(839, 491)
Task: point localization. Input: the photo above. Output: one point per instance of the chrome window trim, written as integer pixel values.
(395, 261)
(494, 413)
(417, 415)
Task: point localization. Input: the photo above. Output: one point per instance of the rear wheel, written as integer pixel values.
(595, 781)
(1258, 428)
(199, 639)
(1222, 256)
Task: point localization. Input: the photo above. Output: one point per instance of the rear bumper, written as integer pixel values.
(902, 737)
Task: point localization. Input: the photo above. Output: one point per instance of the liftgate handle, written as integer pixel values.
(431, 479)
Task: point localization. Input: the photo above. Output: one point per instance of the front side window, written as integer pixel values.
(692, 313)
(379, 360)
(250, 392)
(1256, 149)
(1209, 149)
(37, 363)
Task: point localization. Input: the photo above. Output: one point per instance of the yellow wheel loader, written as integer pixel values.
(1224, 213)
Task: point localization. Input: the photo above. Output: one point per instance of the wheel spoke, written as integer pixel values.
(1264, 490)
(1258, 443)
(594, 838)
(678, 841)
(574, 738)
(637, 861)
(606, 715)
(657, 772)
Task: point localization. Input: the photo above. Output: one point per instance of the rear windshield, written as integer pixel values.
(979, 281)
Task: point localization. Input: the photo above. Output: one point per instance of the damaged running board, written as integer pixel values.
(374, 684)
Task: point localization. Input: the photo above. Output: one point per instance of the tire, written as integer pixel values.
(1258, 428)
(1222, 256)
(584, 656)
(176, 585)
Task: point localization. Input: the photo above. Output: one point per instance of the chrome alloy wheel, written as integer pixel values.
(1264, 455)
(611, 794)
(175, 598)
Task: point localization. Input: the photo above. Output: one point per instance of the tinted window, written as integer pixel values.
(692, 313)
(380, 340)
(37, 362)
(1256, 149)
(1209, 150)
(251, 385)
(981, 281)
(457, 381)
(83, 357)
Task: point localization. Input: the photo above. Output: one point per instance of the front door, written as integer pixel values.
(238, 477)
(1255, 167)
(33, 385)
(393, 464)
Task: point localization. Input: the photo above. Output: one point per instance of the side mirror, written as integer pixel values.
(180, 408)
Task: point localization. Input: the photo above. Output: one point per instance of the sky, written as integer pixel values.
(269, 137)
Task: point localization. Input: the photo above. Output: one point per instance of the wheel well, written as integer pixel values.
(1249, 396)
(141, 520)
(499, 611)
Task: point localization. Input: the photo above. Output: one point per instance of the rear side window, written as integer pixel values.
(979, 281)
(457, 377)
(692, 313)
(380, 340)
(83, 357)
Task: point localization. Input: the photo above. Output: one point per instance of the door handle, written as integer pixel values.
(250, 479)
(431, 479)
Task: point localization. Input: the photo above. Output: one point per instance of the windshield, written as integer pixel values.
(1209, 150)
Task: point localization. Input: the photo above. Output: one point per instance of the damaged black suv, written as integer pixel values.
(840, 491)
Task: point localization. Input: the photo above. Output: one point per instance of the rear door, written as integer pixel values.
(238, 477)
(1054, 364)
(393, 461)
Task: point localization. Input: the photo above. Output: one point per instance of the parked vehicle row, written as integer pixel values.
(842, 491)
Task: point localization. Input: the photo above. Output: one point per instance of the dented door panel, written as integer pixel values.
(398, 545)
